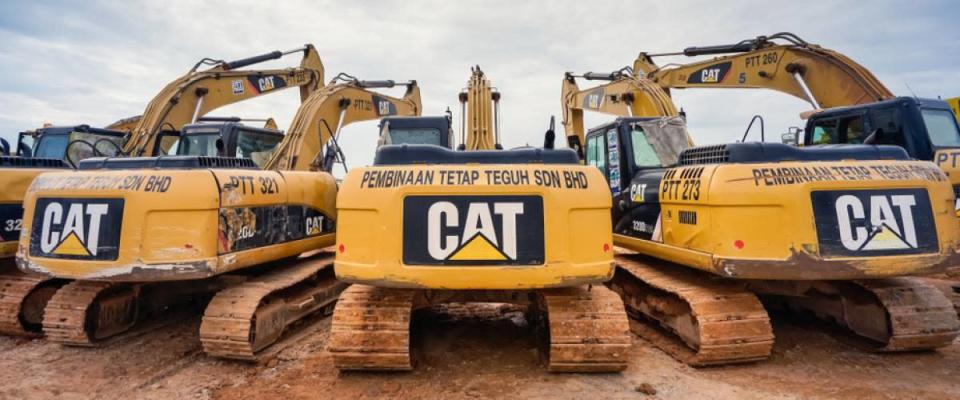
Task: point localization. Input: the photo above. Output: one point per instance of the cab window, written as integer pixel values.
(644, 155)
(257, 146)
(199, 145)
(851, 130)
(596, 156)
(888, 122)
(416, 136)
(824, 132)
(942, 128)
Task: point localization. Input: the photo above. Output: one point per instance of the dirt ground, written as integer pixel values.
(463, 359)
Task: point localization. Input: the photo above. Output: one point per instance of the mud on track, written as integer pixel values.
(464, 358)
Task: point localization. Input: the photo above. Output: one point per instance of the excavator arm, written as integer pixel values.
(199, 92)
(624, 95)
(479, 113)
(318, 121)
(781, 62)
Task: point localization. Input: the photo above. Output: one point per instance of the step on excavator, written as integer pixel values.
(155, 132)
(428, 226)
(137, 235)
(700, 230)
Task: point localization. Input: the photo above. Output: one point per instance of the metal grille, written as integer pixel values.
(226, 162)
(715, 154)
(167, 162)
(30, 162)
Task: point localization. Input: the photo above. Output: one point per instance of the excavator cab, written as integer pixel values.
(230, 138)
(75, 143)
(633, 154)
(921, 126)
(925, 128)
(416, 130)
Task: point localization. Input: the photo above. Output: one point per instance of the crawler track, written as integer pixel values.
(589, 330)
(697, 320)
(920, 316)
(371, 329)
(22, 300)
(249, 320)
(884, 315)
(73, 314)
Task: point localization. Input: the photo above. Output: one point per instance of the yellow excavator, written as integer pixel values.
(707, 224)
(426, 225)
(183, 101)
(954, 103)
(138, 234)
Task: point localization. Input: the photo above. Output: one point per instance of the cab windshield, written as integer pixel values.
(257, 146)
(656, 144)
(199, 144)
(416, 136)
(942, 127)
(57, 145)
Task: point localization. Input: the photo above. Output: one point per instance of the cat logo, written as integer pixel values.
(594, 100)
(712, 74)
(314, 225)
(473, 230)
(879, 222)
(383, 106)
(77, 228)
(265, 83)
(237, 86)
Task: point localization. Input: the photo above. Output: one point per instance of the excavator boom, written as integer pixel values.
(479, 113)
(823, 77)
(198, 92)
(624, 95)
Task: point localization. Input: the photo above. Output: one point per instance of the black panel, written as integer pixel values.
(758, 152)
(11, 221)
(31, 162)
(244, 228)
(868, 223)
(426, 154)
(167, 162)
(473, 230)
(79, 229)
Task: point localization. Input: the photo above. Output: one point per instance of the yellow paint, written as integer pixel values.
(775, 222)
(478, 248)
(71, 245)
(955, 106)
(577, 232)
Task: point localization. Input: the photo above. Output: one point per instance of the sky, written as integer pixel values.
(95, 62)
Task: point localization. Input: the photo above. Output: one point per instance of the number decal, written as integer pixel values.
(12, 225)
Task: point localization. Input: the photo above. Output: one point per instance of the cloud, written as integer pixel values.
(103, 61)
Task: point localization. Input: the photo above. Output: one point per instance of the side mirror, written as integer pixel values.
(549, 137)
